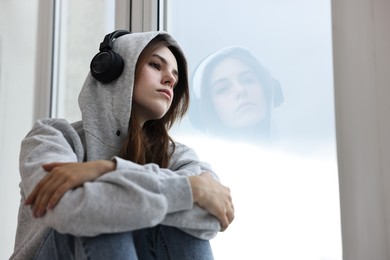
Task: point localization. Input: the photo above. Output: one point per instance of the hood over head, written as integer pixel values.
(106, 108)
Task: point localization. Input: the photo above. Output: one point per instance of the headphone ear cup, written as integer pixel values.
(277, 93)
(196, 113)
(106, 66)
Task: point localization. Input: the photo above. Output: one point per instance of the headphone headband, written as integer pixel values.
(109, 39)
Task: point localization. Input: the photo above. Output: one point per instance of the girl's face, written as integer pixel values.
(153, 89)
(237, 94)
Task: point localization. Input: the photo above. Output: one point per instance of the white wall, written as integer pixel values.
(17, 54)
(361, 37)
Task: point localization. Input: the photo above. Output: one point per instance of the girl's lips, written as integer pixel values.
(244, 106)
(167, 92)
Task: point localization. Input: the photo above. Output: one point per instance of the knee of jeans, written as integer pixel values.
(56, 246)
(110, 245)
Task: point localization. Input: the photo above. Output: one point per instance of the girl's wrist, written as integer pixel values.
(105, 166)
(194, 182)
(111, 165)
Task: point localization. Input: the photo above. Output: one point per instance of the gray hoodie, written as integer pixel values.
(131, 197)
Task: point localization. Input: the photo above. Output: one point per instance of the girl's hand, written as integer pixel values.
(62, 177)
(213, 197)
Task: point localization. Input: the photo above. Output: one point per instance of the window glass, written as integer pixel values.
(262, 113)
(82, 25)
(18, 28)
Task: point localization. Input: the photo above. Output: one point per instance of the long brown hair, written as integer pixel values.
(151, 143)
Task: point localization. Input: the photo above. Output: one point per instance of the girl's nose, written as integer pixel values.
(239, 90)
(169, 79)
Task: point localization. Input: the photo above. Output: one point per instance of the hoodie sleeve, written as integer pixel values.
(131, 197)
(184, 162)
(50, 140)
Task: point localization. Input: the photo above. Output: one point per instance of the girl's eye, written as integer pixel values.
(248, 78)
(155, 65)
(222, 87)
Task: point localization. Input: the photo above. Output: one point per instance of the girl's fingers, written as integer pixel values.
(51, 192)
(50, 166)
(31, 198)
(57, 195)
(224, 223)
(47, 167)
(44, 195)
(33, 195)
(60, 178)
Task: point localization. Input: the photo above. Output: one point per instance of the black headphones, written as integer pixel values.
(108, 65)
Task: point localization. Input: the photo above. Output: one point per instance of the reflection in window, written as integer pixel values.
(233, 96)
(262, 112)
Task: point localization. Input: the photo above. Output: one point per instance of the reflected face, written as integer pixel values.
(153, 89)
(237, 94)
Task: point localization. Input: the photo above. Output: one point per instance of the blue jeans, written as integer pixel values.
(160, 242)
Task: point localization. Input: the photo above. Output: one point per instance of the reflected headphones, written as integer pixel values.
(107, 65)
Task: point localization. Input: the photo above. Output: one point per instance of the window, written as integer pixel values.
(80, 26)
(283, 173)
